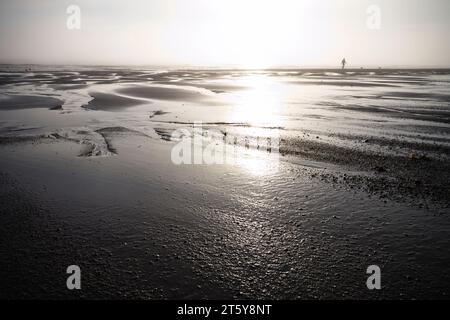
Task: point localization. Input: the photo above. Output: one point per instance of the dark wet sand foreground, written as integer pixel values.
(140, 227)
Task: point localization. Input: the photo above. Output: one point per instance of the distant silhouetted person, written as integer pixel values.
(343, 62)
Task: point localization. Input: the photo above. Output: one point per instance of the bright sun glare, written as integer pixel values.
(257, 34)
(260, 105)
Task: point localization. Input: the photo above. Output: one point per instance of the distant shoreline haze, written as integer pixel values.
(184, 67)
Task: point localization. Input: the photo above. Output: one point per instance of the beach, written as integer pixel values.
(337, 170)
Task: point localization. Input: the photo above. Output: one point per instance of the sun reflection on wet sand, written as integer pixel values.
(260, 105)
(257, 165)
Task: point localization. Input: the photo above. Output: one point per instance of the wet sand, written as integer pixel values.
(162, 93)
(142, 228)
(108, 102)
(361, 180)
(17, 102)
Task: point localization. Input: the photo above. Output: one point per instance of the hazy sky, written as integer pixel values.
(247, 33)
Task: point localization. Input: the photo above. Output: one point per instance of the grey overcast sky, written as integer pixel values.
(247, 33)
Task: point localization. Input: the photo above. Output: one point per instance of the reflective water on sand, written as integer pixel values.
(341, 107)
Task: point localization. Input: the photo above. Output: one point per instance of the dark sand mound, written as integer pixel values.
(69, 86)
(111, 102)
(158, 113)
(415, 177)
(15, 102)
(345, 83)
(162, 93)
(409, 95)
(214, 87)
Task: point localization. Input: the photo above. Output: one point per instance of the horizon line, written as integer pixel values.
(230, 67)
